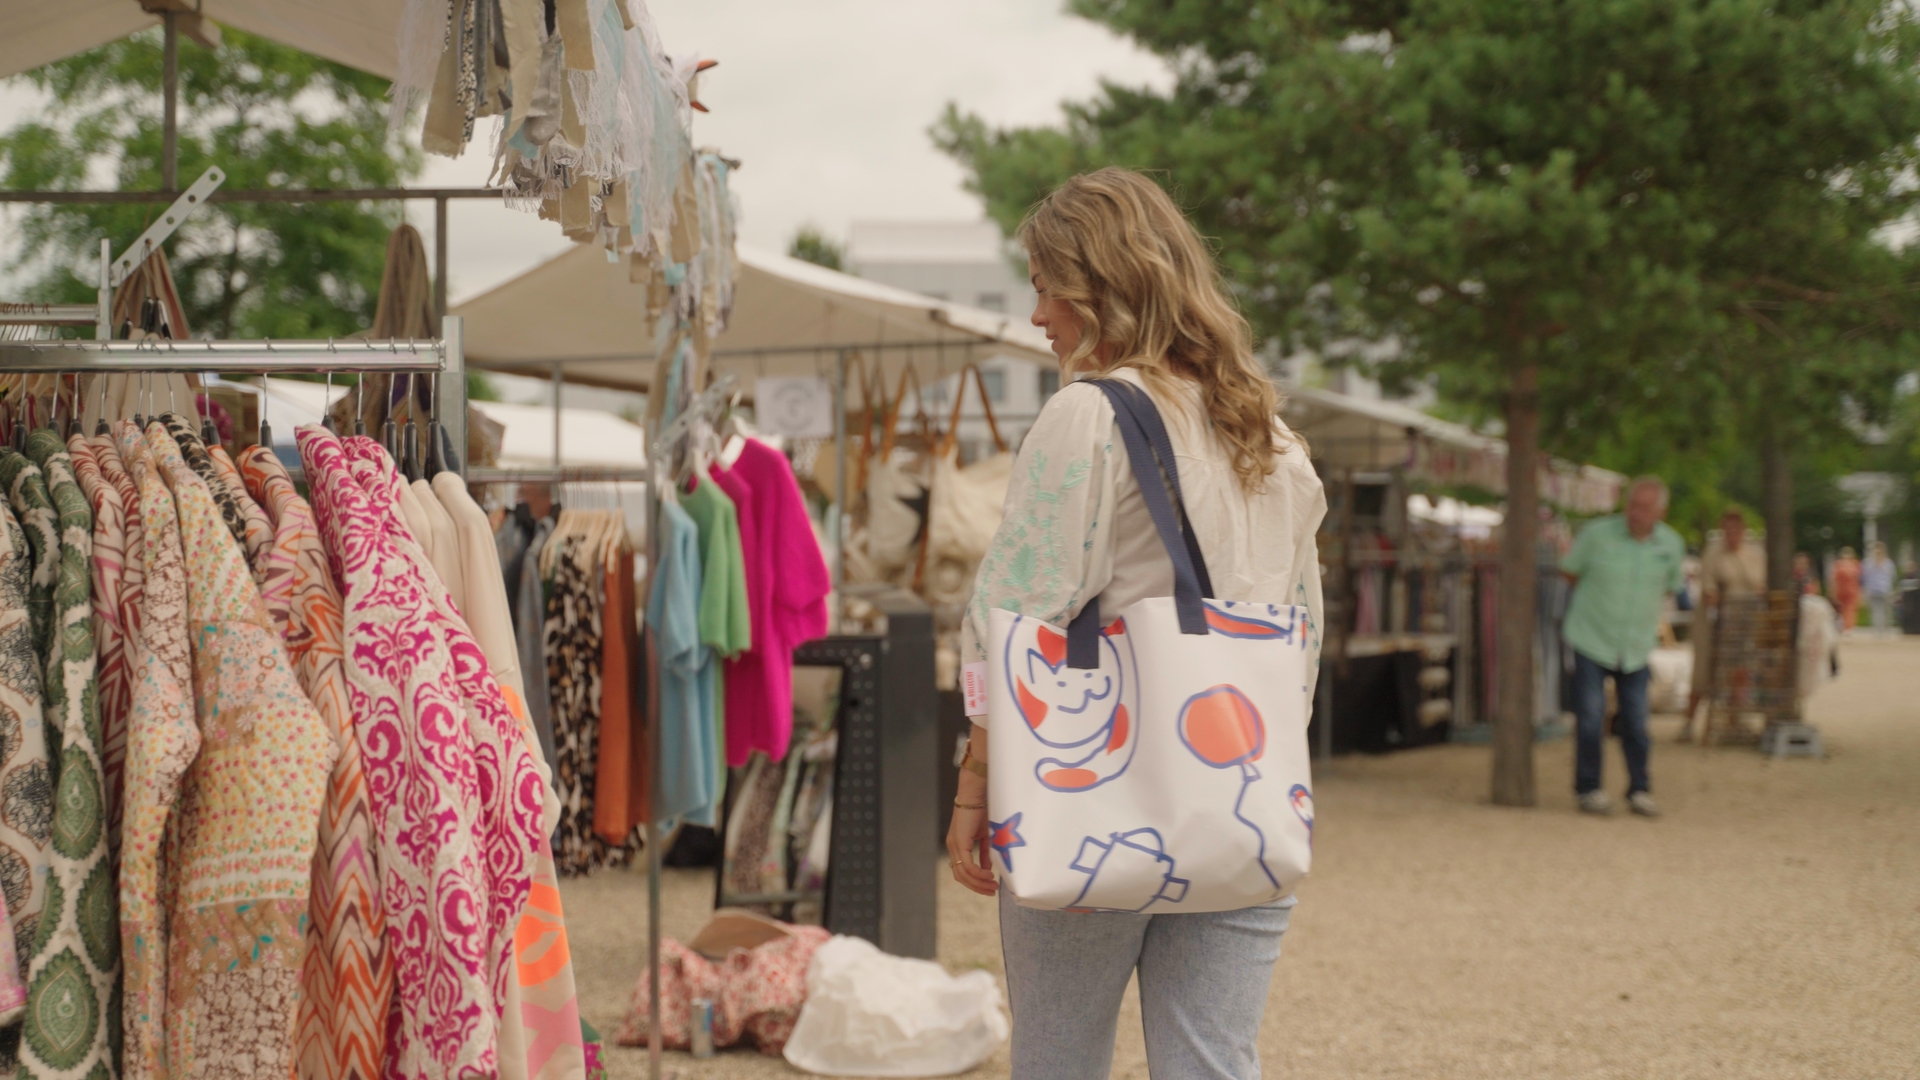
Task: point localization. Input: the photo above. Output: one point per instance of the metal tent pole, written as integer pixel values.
(440, 256)
(840, 487)
(170, 101)
(452, 389)
(558, 382)
(658, 475)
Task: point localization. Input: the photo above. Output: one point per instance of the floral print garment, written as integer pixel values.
(340, 1032)
(75, 965)
(513, 791)
(163, 738)
(259, 535)
(26, 781)
(451, 892)
(112, 673)
(240, 863)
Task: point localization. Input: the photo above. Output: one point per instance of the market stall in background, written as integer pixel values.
(1412, 571)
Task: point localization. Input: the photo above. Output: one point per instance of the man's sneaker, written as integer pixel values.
(1642, 803)
(1596, 802)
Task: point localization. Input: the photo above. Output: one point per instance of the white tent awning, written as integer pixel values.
(1368, 435)
(789, 318)
(361, 34)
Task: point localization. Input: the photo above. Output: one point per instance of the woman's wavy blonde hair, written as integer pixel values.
(1115, 248)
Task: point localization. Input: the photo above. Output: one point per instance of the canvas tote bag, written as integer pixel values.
(1156, 761)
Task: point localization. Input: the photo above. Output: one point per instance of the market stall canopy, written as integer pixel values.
(361, 34)
(1371, 435)
(789, 318)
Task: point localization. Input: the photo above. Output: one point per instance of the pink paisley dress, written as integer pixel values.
(456, 798)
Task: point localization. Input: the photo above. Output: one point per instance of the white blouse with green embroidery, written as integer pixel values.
(1075, 525)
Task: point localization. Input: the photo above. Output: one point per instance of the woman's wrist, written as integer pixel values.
(972, 787)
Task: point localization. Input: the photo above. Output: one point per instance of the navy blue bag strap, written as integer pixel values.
(1083, 633)
(1148, 416)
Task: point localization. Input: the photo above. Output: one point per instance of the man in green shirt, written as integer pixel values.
(1623, 567)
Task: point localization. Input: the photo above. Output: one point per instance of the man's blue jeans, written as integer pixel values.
(1590, 722)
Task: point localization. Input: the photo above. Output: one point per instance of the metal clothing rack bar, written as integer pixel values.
(240, 357)
(48, 314)
(443, 357)
(582, 475)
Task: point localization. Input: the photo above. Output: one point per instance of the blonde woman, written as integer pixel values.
(1127, 290)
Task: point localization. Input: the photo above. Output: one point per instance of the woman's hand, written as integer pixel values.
(967, 852)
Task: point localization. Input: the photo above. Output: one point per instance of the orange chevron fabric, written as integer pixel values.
(347, 981)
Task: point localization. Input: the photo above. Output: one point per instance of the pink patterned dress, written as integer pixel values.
(241, 860)
(347, 982)
(456, 798)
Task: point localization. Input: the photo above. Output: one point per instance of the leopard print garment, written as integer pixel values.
(573, 673)
(201, 462)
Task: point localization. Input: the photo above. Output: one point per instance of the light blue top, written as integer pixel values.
(1614, 619)
(689, 757)
(1876, 576)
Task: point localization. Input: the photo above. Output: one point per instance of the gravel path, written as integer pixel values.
(1767, 927)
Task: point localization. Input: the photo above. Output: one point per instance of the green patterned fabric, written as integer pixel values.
(29, 567)
(71, 1030)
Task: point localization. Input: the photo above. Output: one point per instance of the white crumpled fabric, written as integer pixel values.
(870, 1014)
(966, 505)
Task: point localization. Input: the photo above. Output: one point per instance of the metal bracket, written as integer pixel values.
(157, 233)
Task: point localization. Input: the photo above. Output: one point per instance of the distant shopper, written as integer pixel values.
(1731, 566)
(1877, 582)
(1623, 567)
(1846, 587)
(1805, 581)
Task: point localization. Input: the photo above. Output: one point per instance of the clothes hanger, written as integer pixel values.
(140, 418)
(74, 408)
(102, 427)
(389, 431)
(436, 454)
(326, 409)
(410, 439)
(266, 433)
(209, 431)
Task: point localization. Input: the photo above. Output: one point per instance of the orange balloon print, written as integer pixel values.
(1222, 727)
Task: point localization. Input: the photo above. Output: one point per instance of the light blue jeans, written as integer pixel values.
(1203, 988)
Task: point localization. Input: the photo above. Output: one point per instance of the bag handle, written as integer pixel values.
(986, 406)
(1148, 416)
(1160, 489)
(890, 413)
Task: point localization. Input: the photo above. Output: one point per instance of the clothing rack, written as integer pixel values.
(661, 452)
(615, 474)
(444, 356)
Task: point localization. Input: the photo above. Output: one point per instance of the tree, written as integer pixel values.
(1557, 208)
(812, 245)
(270, 116)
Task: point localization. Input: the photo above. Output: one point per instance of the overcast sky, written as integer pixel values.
(826, 104)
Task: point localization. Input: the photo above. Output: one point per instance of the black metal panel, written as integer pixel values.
(880, 880)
